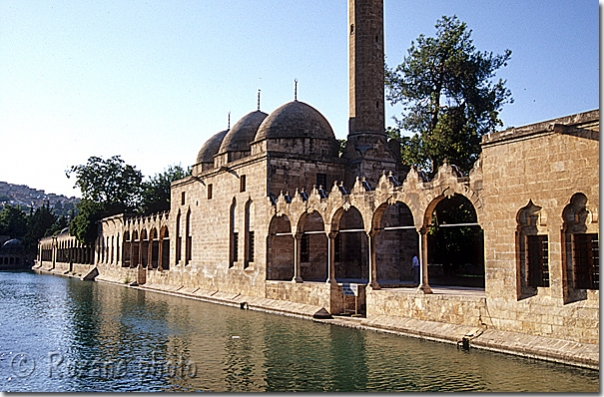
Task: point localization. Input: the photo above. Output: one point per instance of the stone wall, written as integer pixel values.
(542, 165)
(451, 309)
(317, 294)
(223, 212)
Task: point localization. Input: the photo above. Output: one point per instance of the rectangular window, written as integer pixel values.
(210, 191)
(242, 183)
(182, 198)
(586, 261)
(321, 180)
(235, 246)
(538, 261)
(305, 248)
(251, 247)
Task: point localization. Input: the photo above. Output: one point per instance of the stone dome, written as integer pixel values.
(239, 137)
(13, 242)
(210, 148)
(295, 120)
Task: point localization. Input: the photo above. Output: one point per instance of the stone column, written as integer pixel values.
(150, 253)
(423, 262)
(372, 260)
(160, 255)
(297, 243)
(331, 257)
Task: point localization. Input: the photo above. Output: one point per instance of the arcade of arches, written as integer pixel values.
(341, 249)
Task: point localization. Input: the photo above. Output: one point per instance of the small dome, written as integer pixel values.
(13, 242)
(295, 120)
(239, 137)
(210, 148)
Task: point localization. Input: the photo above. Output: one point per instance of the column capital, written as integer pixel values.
(372, 233)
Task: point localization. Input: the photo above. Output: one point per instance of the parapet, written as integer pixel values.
(586, 122)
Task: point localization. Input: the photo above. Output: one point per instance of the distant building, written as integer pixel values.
(13, 256)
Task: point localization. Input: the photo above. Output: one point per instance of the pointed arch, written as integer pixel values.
(313, 247)
(135, 249)
(581, 248)
(397, 241)
(455, 241)
(153, 248)
(280, 256)
(351, 246)
(144, 248)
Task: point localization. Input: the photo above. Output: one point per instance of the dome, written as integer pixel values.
(13, 242)
(210, 148)
(295, 120)
(239, 137)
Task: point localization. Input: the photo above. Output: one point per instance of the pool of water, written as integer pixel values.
(61, 335)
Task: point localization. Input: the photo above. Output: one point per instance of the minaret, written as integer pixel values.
(367, 151)
(366, 66)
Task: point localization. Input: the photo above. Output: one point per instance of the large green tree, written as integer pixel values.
(156, 191)
(110, 181)
(449, 97)
(108, 187)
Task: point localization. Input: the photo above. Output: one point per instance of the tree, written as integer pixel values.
(83, 226)
(110, 181)
(156, 191)
(108, 187)
(13, 222)
(39, 224)
(448, 97)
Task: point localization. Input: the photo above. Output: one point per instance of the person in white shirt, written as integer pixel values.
(415, 267)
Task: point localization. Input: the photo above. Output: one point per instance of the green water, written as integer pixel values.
(62, 335)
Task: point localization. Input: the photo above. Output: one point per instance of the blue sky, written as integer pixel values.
(152, 80)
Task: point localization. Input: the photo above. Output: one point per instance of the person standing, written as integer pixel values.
(415, 268)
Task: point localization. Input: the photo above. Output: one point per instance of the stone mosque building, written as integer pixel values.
(273, 216)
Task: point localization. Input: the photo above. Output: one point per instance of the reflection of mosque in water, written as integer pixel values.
(273, 212)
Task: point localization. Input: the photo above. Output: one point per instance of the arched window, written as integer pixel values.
(532, 250)
(249, 242)
(188, 248)
(581, 245)
(178, 239)
(233, 236)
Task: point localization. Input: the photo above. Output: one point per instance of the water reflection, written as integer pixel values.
(86, 336)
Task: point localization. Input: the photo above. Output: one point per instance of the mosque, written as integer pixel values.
(275, 214)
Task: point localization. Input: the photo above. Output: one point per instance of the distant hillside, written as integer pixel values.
(25, 196)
